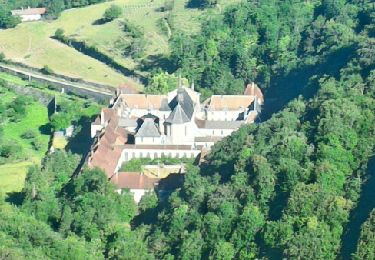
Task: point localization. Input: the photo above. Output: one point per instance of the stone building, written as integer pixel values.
(174, 125)
(29, 14)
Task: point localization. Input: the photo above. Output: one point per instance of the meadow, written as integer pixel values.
(12, 173)
(32, 43)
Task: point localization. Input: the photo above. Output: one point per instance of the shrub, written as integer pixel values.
(133, 30)
(2, 56)
(46, 70)
(10, 151)
(112, 13)
(59, 33)
(29, 134)
(7, 20)
(37, 144)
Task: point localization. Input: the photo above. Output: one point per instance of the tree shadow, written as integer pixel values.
(51, 106)
(157, 61)
(15, 198)
(45, 129)
(99, 21)
(285, 88)
(359, 214)
(194, 4)
(81, 142)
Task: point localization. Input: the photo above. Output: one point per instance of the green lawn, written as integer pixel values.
(36, 118)
(12, 79)
(12, 176)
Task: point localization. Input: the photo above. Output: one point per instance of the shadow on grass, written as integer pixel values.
(45, 129)
(81, 142)
(197, 4)
(16, 198)
(157, 61)
(100, 21)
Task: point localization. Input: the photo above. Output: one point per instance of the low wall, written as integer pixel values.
(100, 96)
(42, 97)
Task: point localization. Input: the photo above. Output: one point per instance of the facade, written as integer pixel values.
(174, 125)
(29, 14)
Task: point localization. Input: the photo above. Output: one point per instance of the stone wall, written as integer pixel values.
(102, 97)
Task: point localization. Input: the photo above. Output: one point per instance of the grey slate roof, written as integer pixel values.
(164, 105)
(148, 129)
(178, 116)
(185, 101)
(127, 122)
(220, 124)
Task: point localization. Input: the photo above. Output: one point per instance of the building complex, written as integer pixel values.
(176, 125)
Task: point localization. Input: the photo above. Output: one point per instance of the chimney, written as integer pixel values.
(192, 84)
(252, 88)
(179, 80)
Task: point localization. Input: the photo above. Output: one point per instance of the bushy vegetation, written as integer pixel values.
(281, 189)
(113, 12)
(6, 18)
(284, 188)
(88, 218)
(12, 111)
(263, 40)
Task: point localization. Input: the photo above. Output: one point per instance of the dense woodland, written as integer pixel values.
(284, 188)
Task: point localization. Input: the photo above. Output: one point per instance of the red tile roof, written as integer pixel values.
(143, 101)
(133, 180)
(253, 90)
(230, 102)
(108, 148)
(29, 11)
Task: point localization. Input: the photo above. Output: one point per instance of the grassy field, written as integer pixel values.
(31, 43)
(12, 176)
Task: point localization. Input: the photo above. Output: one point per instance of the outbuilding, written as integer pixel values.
(29, 14)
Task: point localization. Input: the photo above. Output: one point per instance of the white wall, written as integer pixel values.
(148, 140)
(28, 18)
(229, 115)
(215, 132)
(138, 194)
(95, 129)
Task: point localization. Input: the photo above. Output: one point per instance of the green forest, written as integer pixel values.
(285, 188)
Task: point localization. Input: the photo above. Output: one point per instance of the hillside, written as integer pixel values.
(297, 185)
(31, 43)
(288, 187)
(26, 128)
